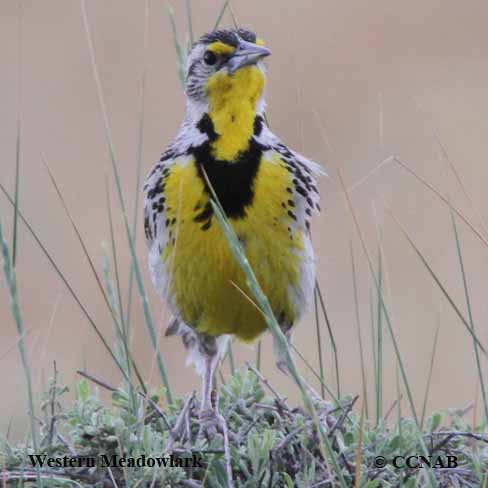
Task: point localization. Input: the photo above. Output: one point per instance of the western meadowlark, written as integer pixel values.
(267, 191)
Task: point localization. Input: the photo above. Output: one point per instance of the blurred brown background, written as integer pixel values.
(380, 77)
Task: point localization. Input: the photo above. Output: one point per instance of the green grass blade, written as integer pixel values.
(332, 338)
(382, 300)
(398, 402)
(226, 6)
(80, 238)
(258, 355)
(9, 272)
(232, 364)
(4, 354)
(180, 51)
(189, 18)
(379, 343)
(138, 276)
(120, 328)
(429, 377)
(322, 382)
(358, 331)
(373, 333)
(470, 314)
(221, 14)
(16, 194)
(66, 283)
(118, 301)
(18, 135)
(233, 15)
(438, 282)
(140, 152)
(122, 332)
(319, 341)
(444, 199)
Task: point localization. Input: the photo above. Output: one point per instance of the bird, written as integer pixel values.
(226, 150)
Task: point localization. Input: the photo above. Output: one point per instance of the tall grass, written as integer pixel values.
(140, 155)
(153, 334)
(9, 272)
(470, 316)
(357, 314)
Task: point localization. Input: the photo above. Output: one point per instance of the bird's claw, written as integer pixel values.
(210, 422)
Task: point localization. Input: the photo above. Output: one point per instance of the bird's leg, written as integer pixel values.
(209, 417)
(212, 350)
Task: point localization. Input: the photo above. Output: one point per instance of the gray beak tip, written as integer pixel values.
(246, 54)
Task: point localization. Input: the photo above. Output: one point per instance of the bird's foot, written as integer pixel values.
(210, 422)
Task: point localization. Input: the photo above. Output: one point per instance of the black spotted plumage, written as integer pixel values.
(232, 183)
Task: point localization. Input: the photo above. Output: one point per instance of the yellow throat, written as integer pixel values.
(233, 100)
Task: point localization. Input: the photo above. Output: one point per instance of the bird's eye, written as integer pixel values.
(210, 58)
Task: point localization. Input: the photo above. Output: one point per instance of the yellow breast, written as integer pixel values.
(206, 282)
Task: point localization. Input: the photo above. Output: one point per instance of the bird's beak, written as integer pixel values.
(246, 53)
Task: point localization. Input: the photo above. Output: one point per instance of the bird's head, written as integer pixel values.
(226, 64)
